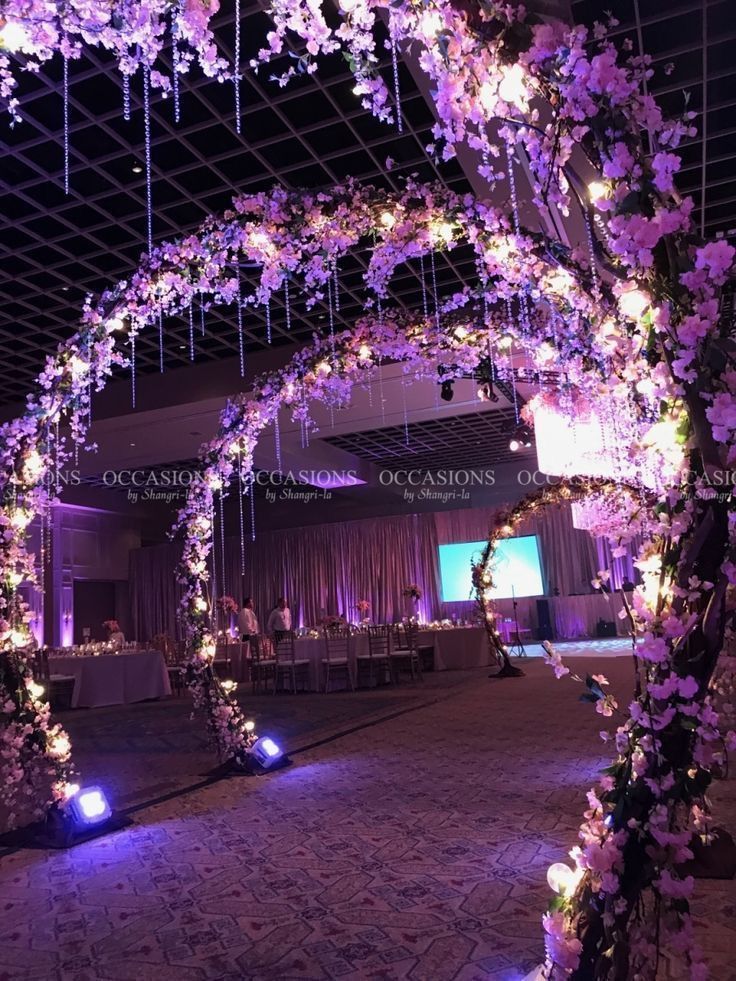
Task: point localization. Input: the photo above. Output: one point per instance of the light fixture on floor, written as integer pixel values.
(268, 755)
(447, 392)
(87, 814)
(89, 808)
(521, 437)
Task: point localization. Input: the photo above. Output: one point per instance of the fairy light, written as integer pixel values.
(513, 86)
(597, 191)
(13, 36)
(59, 746)
(562, 879)
(388, 220)
(431, 22)
(634, 302)
(228, 686)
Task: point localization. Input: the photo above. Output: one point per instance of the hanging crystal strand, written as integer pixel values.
(236, 67)
(406, 413)
(336, 288)
(277, 440)
(240, 513)
(425, 305)
(132, 367)
(591, 253)
(89, 403)
(126, 97)
(512, 187)
(161, 341)
(252, 511)
(332, 341)
(201, 315)
(268, 319)
(147, 132)
(397, 90)
(57, 464)
(287, 302)
(175, 69)
(65, 84)
(380, 391)
(222, 537)
(512, 379)
(213, 554)
(434, 290)
(191, 329)
(241, 342)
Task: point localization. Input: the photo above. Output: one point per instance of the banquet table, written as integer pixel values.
(457, 648)
(113, 679)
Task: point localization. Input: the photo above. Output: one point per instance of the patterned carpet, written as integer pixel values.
(415, 848)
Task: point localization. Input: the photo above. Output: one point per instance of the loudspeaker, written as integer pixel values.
(606, 628)
(544, 621)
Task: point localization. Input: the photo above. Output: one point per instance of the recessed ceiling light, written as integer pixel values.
(182, 347)
(132, 444)
(137, 169)
(64, 289)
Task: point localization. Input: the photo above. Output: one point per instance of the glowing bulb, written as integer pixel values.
(13, 36)
(229, 686)
(34, 690)
(250, 726)
(442, 230)
(431, 22)
(545, 353)
(324, 367)
(59, 746)
(388, 220)
(633, 303)
(200, 604)
(560, 282)
(208, 651)
(512, 87)
(514, 445)
(69, 790)
(113, 324)
(214, 481)
(348, 5)
(33, 466)
(597, 190)
(461, 332)
(364, 353)
(77, 366)
(20, 519)
(562, 879)
(18, 639)
(261, 241)
(234, 447)
(15, 578)
(505, 342)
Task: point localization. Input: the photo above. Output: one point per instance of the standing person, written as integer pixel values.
(279, 620)
(247, 620)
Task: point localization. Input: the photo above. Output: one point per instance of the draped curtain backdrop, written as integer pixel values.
(326, 569)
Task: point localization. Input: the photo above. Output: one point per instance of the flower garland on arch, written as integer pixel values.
(135, 33)
(624, 512)
(299, 237)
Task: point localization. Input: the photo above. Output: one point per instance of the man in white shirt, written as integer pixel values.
(247, 620)
(279, 620)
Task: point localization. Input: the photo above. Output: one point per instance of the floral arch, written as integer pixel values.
(669, 356)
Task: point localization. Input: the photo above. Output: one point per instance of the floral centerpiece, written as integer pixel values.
(412, 591)
(332, 622)
(111, 626)
(364, 608)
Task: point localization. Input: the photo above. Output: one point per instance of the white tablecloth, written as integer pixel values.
(457, 648)
(114, 679)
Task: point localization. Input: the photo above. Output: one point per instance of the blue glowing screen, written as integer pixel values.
(516, 568)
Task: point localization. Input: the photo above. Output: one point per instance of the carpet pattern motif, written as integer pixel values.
(414, 849)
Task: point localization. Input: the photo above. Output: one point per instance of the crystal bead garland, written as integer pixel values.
(161, 341)
(397, 91)
(433, 269)
(241, 344)
(425, 305)
(287, 302)
(147, 131)
(236, 67)
(202, 327)
(132, 367)
(336, 287)
(175, 70)
(240, 513)
(252, 496)
(65, 84)
(268, 320)
(406, 411)
(213, 555)
(191, 330)
(277, 441)
(221, 502)
(126, 97)
(380, 391)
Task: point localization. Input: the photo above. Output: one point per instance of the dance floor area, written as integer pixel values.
(412, 841)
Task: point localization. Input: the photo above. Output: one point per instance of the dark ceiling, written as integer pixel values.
(55, 248)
